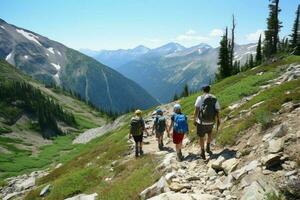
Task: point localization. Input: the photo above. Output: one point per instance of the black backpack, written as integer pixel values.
(136, 126)
(208, 110)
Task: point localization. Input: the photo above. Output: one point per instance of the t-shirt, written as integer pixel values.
(199, 103)
(200, 100)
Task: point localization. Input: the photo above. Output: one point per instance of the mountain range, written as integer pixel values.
(164, 71)
(53, 63)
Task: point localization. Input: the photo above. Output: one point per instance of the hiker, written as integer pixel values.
(137, 128)
(159, 126)
(206, 113)
(180, 128)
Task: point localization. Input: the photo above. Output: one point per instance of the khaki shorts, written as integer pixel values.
(203, 129)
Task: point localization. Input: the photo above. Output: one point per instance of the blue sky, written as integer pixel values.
(114, 24)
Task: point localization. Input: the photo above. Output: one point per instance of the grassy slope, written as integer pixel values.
(20, 161)
(131, 177)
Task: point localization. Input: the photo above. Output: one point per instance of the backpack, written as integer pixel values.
(160, 123)
(180, 123)
(136, 126)
(208, 110)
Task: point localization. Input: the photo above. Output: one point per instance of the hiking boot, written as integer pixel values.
(203, 154)
(141, 152)
(179, 157)
(208, 148)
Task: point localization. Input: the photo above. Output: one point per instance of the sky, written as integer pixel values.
(115, 24)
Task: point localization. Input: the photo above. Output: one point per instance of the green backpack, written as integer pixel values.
(136, 126)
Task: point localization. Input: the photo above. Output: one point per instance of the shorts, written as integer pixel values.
(177, 137)
(159, 134)
(203, 129)
(138, 138)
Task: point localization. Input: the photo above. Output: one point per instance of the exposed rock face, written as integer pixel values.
(180, 196)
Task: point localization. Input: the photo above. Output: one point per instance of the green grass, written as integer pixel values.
(77, 176)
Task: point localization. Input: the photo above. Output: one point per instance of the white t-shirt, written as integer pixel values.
(199, 103)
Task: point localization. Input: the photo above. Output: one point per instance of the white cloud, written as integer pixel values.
(216, 32)
(191, 36)
(253, 37)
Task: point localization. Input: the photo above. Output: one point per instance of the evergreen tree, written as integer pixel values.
(186, 91)
(258, 57)
(251, 61)
(295, 40)
(224, 66)
(273, 28)
(175, 98)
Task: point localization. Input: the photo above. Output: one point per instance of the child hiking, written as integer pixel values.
(137, 127)
(180, 128)
(206, 113)
(159, 126)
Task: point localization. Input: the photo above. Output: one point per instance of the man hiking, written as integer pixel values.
(206, 112)
(159, 126)
(137, 127)
(179, 123)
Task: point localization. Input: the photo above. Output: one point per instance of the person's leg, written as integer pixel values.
(136, 149)
(208, 141)
(201, 142)
(141, 146)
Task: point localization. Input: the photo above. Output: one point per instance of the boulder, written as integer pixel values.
(169, 176)
(211, 172)
(176, 187)
(156, 189)
(276, 145)
(253, 192)
(180, 196)
(290, 173)
(11, 195)
(84, 197)
(280, 131)
(25, 184)
(45, 190)
(271, 160)
(217, 164)
(230, 165)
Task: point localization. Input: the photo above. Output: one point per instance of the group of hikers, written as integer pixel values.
(206, 114)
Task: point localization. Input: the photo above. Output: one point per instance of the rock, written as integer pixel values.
(226, 184)
(176, 187)
(217, 164)
(257, 104)
(290, 173)
(45, 190)
(11, 195)
(252, 165)
(239, 173)
(193, 178)
(25, 184)
(156, 189)
(276, 145)
(58, 165)
(211, 172)
(293, 186)
(167, 161)
(169, 176)
(230, 165)
(271, 160)
(180, 196)
(280, 131)
(257, 190)
(84, 197)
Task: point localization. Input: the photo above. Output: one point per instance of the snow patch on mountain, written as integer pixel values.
(29, 36)
(58, 53)
(3, 27)
(8, 57)
(251, 47)
(26, 57)
(57, 66)
(51, 50)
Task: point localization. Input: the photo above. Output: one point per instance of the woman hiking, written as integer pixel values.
(180, 128)
(137, 128)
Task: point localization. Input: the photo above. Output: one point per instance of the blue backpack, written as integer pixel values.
(180, 124)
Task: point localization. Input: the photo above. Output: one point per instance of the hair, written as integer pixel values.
(206, 89)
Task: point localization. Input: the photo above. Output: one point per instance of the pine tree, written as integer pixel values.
(175, 98)
(251, 61)
(295, 36)
(273, 28)
(224, 66)
(186, 91)
(258, 57)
